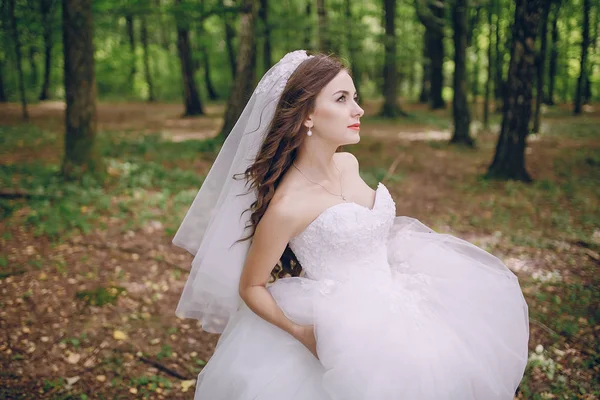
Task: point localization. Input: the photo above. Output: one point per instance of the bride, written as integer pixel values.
(319, 290)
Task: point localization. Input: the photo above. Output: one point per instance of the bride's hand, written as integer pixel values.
(305, 335)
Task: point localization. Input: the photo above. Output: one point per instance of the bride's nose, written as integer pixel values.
(357, 111)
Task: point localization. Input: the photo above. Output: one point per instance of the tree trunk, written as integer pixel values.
(308, 26)
(587, 93)
(509, 159)
(436, 53)
(585, 44)
(390, 109)
(498, 81)
(553, 54)
(46, 8)
(264, 17)
(490, 69)
(426, 81)
(131, 37)
(541, 66)
(324, 39)
(193, 105)
(354, 46)
(80, 91)
(33, 65)
(17, 43)
(212, 93)
(474, 33)
(229, 35)
(146, 59)
(246, 66)
(460, 107)
(3, 98)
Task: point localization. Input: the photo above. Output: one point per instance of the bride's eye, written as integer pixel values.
(356, 99)
(342, 97)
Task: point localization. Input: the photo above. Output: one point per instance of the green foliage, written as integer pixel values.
(147, 179)
(100, 296)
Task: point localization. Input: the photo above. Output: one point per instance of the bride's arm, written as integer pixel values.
(272, 234)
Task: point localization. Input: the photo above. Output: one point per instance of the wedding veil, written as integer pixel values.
(215, 221)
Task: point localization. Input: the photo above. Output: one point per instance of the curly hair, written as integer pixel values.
(282, 140)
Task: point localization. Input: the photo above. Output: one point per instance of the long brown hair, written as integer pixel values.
(283, 138)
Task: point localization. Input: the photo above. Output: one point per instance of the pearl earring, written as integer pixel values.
(309, 133)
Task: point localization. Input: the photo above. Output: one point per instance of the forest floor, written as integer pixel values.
(90, 281)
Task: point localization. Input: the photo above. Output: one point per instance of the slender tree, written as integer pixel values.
(264, 17)
(131, 37)
(3, 98)
(246, 67)
(17, 43)
(431, 14)
(324, 38)
(541, 66)
(460, 107)
(353, 44)
(488, 82)
(229, 36)
(509, 159)
(426, 63)
(308, 25)
(391, 108)
(47, 10)
(553, 53)
(146, 58)
(585, 44)
(80, 91)
(193, 105)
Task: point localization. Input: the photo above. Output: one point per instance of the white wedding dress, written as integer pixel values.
(400, 312)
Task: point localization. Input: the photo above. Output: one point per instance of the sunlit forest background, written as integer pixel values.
(482, 117)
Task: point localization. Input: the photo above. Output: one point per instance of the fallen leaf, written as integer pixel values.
(73, 358)
(186, 385)
(119, 335)
(101, 378)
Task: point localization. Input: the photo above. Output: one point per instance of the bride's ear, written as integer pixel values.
(308, 122)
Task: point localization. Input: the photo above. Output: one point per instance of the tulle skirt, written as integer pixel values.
(447, 321)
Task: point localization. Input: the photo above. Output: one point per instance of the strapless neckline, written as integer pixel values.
(345, 203)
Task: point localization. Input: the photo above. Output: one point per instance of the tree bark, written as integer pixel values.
(17, 43)
(426, 78)
(193, 105)
(432, 17)
(498, 81)
(212, 93)
(308, 25)
(46, 8)
(509, 159)
(324, 39)
(474, 33)
(354, 46)
(246, 67)
(541, 66)
(553, 54)
(460, 107)
(80, 91)
(264, 17)
(390, 109)
(229, 35)
(490, 69)
(585, 44)
(131, 37)
(146, 59)
(3, 98)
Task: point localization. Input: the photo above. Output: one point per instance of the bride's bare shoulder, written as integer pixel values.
(347, 160)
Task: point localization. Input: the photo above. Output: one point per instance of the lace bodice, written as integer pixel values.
(347, 239)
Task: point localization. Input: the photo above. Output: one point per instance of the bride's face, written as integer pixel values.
(336, 117)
